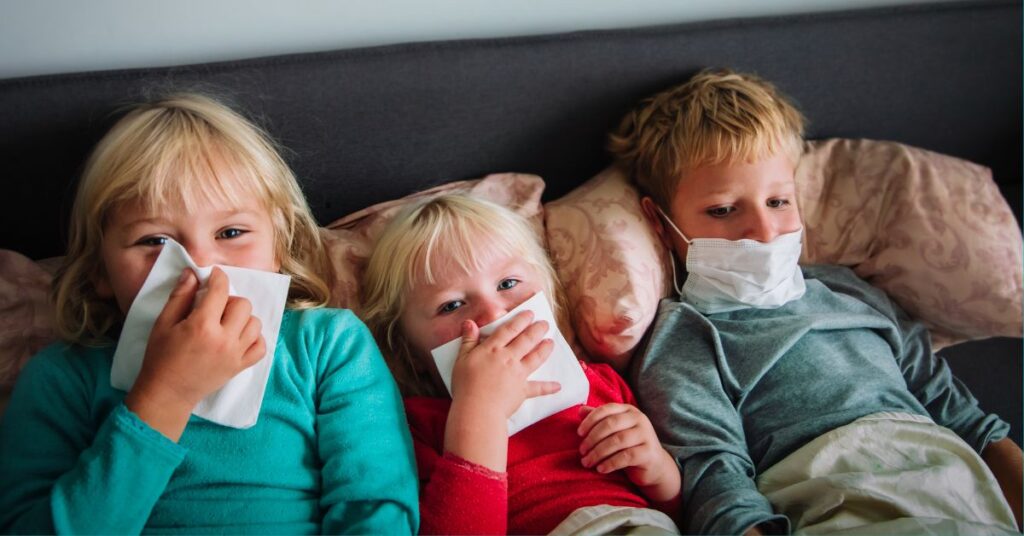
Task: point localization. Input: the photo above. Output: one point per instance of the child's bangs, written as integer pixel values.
(460, 243)
(194, 172)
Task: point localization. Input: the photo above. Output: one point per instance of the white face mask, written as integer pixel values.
(728, 275)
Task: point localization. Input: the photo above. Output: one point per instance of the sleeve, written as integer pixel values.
(64, 471)
(948, 401)
(368, 474)
(457, 496)
(682, 383)
(928, 377)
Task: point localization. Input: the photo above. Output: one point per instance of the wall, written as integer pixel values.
(51, 36)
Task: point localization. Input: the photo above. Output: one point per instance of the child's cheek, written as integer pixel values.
(445, 332)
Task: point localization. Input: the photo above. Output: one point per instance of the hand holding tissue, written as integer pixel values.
(237, 403)
(561, 366)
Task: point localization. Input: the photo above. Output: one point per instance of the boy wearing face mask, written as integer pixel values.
(793, 398)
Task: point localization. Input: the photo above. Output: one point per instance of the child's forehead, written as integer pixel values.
(481, 253)
(731, 178)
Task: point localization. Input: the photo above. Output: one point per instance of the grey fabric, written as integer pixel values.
(731, 394)
(372, 124)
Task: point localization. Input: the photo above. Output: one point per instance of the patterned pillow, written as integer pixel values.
(26, 323)
(610, 262)
(26, 320)
(350, 239)
(931, 230)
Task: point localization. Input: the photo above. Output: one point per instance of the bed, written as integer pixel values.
(368, 125)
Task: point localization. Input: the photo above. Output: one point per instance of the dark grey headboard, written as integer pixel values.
(370, 124)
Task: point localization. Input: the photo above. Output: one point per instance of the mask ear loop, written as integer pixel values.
(672, 255)
(675, 278)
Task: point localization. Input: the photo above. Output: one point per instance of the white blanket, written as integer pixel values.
(888, 473)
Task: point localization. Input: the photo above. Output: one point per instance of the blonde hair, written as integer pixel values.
(184, 149)
(412, 248)
(717, 117)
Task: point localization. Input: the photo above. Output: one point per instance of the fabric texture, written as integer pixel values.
(330, 452)
(858, 478)
(931, 230)
(544, 482)
(731, 394)
(350, 240)
(610, 262)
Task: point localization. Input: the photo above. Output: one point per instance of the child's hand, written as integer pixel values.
(620, 436)
(489, 383)
(194, 351)
(494, 372)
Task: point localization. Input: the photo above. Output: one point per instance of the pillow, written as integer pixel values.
(350, 239)
(26, 322)
(611, 263)
(931, 230)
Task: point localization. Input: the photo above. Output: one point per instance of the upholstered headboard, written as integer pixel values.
(371, 124)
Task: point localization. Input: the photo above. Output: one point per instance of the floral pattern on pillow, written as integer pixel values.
(931, 230)
(610, 262)
(26, 316)
(350, 240)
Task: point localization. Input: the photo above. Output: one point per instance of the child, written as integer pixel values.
(329, 452)
(803, 391)
(444, 268)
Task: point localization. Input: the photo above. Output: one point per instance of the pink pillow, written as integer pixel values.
(611, 263)
(350, 239)
(931, 230)
(26, 316)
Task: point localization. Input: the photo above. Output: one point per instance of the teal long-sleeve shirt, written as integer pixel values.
(330, 452)
(731, 394)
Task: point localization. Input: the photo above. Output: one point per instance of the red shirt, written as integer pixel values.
(544, 482)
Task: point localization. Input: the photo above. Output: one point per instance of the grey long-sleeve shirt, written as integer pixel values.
(731, 394)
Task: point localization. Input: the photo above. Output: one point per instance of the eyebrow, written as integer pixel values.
(224, 214)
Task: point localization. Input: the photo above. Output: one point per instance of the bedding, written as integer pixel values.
(931, 230)
(365, 126)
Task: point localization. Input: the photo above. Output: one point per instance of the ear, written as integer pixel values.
(654, 219)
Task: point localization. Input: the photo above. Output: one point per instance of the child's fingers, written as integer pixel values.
(255, 352)
(511, 330)
(528, 340)
(536, 357)
(179, 304)
(606, 428)
(470, 337)
(538, 388)
(211, 303)
(630, 457)
(600, 413)
(609, 445)
(237, 312)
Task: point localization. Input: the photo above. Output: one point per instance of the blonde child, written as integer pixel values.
(792, 398)
(444, 268)
(329, 452)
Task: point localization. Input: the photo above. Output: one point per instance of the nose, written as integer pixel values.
(202, 254)
(488, 310)
(761, 226)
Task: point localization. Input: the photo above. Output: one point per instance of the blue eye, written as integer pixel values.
(152, 241)
(449, 307)
(777, 203)
(508, 283)
(231, 233)
(720, 212)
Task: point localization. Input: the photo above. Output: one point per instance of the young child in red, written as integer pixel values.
(443, 269)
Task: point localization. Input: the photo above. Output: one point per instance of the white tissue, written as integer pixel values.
(561, 366)
(237, 403)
